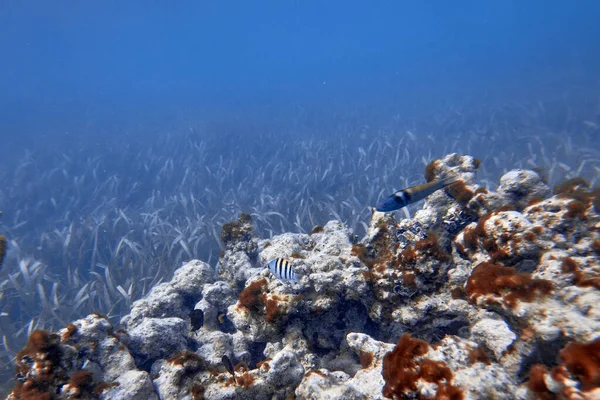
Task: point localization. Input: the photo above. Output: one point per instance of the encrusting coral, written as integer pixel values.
(479, 292)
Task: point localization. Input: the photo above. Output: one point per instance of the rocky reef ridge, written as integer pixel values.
(480, 295)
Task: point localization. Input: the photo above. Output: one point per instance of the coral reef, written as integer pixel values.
(94, 226)
(472, 298)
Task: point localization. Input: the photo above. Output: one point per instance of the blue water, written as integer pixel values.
(107, 63)
(157, 121)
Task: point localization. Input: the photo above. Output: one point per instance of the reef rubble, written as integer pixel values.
(482, 294)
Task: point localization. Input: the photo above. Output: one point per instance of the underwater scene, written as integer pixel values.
(300, 200)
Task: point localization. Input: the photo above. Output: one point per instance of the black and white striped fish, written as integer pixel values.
(283, 270)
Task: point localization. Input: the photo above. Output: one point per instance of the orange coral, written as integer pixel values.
(102, 386)
(272, 308)
(366, 359)
(570, 186)
(430, 170)
(570, 266)
(244, 379)
(317, 229)
(81, 380)
(44, 348)
(359, 250)
(576, 209)
(580, 360)
(402, 369)
(537, 384)
(251, 297)
(460, 192)
(478, 355)
(578, 190)
(70, 331)
(498, 280)
(428, 247)
(583, 361)
(409, 279)
(186, 357)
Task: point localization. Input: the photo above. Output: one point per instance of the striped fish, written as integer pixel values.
(404, 197)
(283, 270)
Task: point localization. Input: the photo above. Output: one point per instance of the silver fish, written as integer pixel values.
(283, 270)
(404, 197)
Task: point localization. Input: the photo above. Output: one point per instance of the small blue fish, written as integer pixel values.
(283, 270)
(404, 197)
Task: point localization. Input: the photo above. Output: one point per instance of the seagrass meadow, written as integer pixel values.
(91, 228)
